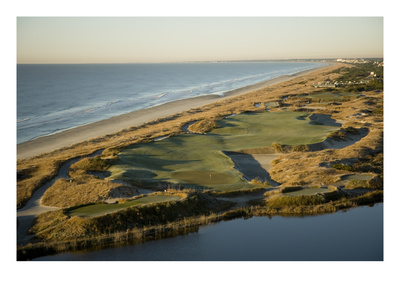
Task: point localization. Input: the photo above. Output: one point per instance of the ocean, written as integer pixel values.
(56, 97)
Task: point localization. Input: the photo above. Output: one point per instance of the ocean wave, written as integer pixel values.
(161, 95)
(23, 120)
(90, 110)
(112, 102)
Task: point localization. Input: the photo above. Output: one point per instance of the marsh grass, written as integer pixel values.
(186, 224)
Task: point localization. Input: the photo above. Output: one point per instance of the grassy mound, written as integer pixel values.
(203, 126)
(66, 193)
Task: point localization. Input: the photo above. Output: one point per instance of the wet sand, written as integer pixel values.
(115, 124)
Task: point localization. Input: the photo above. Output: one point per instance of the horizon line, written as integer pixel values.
(196, 61)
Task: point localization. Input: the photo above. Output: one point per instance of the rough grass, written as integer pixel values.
(95, 164)
(66, 193)
(48, 220)
(312, 168)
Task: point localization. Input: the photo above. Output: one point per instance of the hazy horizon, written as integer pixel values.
(64, 40)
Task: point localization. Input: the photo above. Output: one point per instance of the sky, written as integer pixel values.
(177, 39)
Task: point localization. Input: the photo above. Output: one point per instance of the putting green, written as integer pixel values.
(189, 159)
(203, 177)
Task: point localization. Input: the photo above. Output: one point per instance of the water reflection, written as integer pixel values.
(353, 235)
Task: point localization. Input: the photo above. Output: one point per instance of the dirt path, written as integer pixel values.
(34, 207)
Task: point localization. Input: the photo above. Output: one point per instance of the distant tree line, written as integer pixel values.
(363, 72)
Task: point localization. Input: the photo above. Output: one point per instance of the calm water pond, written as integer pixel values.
(353, 235)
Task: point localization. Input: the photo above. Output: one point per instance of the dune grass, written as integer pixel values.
(197, 161)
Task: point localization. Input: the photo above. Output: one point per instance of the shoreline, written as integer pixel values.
(115, 124)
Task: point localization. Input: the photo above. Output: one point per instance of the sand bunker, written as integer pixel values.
(324, 119)
(253, 168)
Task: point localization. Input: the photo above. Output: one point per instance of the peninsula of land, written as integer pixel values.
(305, 144)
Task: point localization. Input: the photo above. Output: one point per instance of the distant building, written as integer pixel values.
(352, 61)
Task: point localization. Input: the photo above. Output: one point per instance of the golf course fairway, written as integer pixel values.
(197, 161)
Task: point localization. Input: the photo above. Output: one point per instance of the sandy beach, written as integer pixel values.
(115, 124)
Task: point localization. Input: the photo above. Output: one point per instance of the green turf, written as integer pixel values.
(190, 159)
(101, 209)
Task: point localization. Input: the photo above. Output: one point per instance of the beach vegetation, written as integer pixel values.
(300, 148)
(341, 166)
(279, 201)
(203, 126)
(375, 183)
(277, 147)
(95, 164)
(72, 192)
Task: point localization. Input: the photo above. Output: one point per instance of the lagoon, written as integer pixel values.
(353, 235)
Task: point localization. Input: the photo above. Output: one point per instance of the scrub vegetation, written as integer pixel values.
(327, 155)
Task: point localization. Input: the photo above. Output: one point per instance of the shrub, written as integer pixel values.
(368, 198)
(297, 200)
(337, 135)
(351, 130)
(344, 167)
(278, 147)
(300, 148)
(374, 183)
(288, 189)
(95, 164)
(111, 152)
(203, 126)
